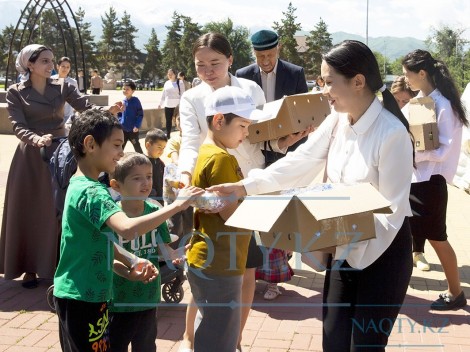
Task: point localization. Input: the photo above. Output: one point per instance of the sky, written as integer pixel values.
(397, 18)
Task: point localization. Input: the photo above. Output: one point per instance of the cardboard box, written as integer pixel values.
(312, 220)
(290, 114)
(423, 125)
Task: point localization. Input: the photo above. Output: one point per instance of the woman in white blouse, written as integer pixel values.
(172, 91)
(362, 141)
(436, 167)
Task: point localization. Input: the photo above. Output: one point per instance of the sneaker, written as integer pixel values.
(272, 292)
(420, 261)
(447, 302)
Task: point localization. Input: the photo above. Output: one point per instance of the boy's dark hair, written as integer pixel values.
(126, 163)
(95, 122)
(130, 84)
(227, 117)
(155, 135)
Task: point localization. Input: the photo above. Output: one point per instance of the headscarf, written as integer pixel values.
(23, 58)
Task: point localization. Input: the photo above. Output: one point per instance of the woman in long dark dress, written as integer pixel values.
(30, 227)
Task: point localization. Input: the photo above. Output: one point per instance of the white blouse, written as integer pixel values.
(443, 160)
(171, 94)
(376, 149)
(194, 127)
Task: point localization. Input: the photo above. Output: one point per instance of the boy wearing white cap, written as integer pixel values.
(218, 254)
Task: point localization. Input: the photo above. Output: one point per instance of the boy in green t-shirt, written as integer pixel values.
(133, 308)
(218, 254)
(83, 279)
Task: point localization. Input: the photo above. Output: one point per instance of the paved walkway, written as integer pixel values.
(290, 323)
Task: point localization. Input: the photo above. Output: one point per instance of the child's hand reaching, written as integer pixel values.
(186, 196)
(143, 270)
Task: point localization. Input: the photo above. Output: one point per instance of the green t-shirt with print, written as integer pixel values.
(85, 269)
(134, 296)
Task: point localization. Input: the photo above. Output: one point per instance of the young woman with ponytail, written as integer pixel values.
(435, 168)
(362, 141)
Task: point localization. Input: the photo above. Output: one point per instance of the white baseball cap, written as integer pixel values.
(233, 100)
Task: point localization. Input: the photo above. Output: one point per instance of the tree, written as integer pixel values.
(127, 56)
(238, 38)
(191, 31)
(108, 46)
(396, 67)
(318, 41)
(152, 66)
(286, 31)
(88, 42)
(384, 65)
(447, 44)
(172, 55)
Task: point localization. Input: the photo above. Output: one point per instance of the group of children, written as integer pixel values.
(100, 236)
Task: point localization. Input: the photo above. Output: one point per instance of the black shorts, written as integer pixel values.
(83, 326)
(428, 202)
(255, 256)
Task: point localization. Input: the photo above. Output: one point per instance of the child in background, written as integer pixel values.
(155, 143)
(96, 83)
(216, 267)
(134, 305)
(131, 117)
(83, 279)
(180, 224)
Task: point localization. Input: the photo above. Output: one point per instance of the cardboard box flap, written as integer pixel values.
(271, 109)
(422, 110)
(291, 114)
(344, 200)
(261, 212)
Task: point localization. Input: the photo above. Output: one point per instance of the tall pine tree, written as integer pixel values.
(88, 42)
(191, 31)
(172, 55)
(153, 62)
(286, 31)
(127, 56)
(108, 46)
(318, 41)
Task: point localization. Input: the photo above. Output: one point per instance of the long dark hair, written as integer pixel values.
(440, 78)
(352, 57)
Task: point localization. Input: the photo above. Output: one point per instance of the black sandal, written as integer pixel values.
(30, 281)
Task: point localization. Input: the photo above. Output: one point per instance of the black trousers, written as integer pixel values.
(83, 326)
(361, 306)
(133, 137)
(136, 328)
(169, 120)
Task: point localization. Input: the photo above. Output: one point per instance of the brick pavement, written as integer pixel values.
(290, 323)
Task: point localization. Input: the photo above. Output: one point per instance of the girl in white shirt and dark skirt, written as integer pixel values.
(362, 141)
(435, 168)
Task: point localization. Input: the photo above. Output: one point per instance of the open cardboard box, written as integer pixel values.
(423, 123)
(290, 114)
(312, 220)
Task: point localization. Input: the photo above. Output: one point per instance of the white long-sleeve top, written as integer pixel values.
(194, 127)
(376, 149)
(443, 160)
(171, 95)
(68, 110)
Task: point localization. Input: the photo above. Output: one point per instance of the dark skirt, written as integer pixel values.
(30, 227)
(428, 202)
